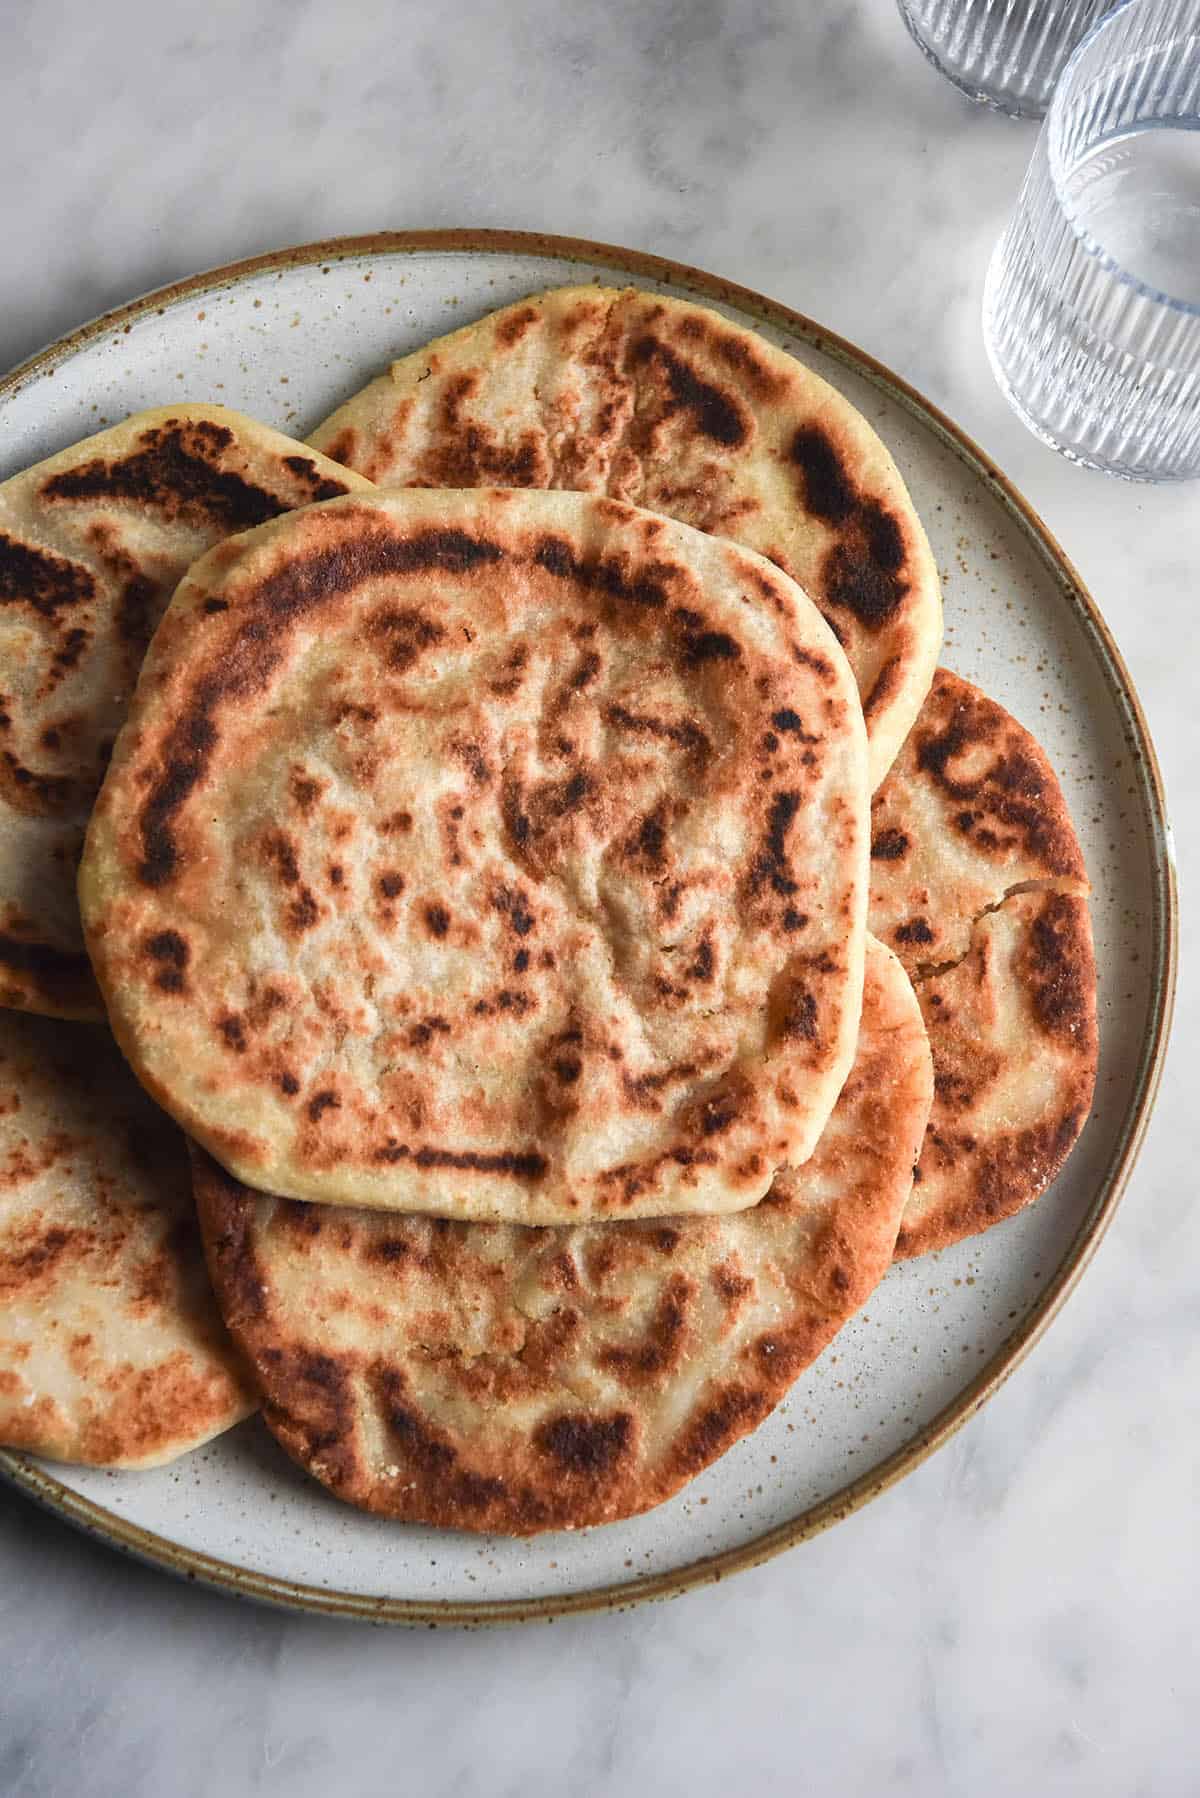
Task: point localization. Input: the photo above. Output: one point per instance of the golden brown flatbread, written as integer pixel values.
(111, 1349)
(489, 1377)
(971, 810)
(495, 854)
(978, 883)
(668, 405)
(1012, 1027)
(92, 543)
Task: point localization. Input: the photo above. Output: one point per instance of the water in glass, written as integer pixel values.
(1136, 198)
(1092, 302)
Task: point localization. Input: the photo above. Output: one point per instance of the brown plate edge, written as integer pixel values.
(190, 1564)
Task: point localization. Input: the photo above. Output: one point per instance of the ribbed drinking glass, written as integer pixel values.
(1007, 52)
(1092, 300)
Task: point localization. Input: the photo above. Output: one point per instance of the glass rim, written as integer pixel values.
(1054, 126)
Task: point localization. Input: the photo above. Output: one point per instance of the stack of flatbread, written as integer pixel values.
(523, 932)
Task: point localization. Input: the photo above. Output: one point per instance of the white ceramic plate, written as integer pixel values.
(288, 336)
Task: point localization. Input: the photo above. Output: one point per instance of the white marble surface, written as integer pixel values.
(1017, 1616)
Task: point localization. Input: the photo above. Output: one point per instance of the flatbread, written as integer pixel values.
(500, 855)
(92, 543)
(668, 405)
(978, 883)
(489, 1377)
(971, 811)
(111, 1349)
(1013, 1032)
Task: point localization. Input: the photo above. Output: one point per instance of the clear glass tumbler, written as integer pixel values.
(1092, 303)
(1008, 53)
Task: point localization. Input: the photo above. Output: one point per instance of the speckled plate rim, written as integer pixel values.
(226, 1576)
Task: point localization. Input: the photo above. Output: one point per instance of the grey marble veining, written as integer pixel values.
(1017, 1616)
